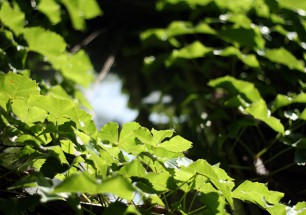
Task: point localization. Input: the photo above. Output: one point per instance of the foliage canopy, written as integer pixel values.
(51, 149)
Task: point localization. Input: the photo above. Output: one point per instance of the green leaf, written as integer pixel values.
(194, 50)
(257, 193)
(177, 28)
(293, 4)
(281, 101)
(249, 60)
(158, 181)
(57, 153)
(62, 110)
(202, 167)
(51, 9)
(44, 42)
(85, 183)
(90, 8)
(176, 144)
(260, 111)
(236, 86)
(12, 17)
(76, 67)
(133, 168)
(283, 56)
(109, 133)
(127, 138)
(17, 86)
(243, 37)
(144, 135)
(100, 163)
(79, 10)
(159, 136)
(26, 112)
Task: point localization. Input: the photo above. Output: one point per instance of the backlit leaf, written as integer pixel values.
(260, 111)
(85, 183)
(17, 86)
(26, 112)
(249, 60)
(44, 42)
(235, 86)
(194, 50)
(81, 10)
(176, 144)
(202, 167)
(257, 193)
(109, 133)
(159, 136)
(76, 67)
(283, 56)
(12, 17)
(133, 168)
(293, 4)
(51, 9)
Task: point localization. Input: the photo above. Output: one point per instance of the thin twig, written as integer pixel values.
(105, 69)
(87, 40)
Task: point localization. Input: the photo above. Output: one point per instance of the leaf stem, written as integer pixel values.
(264, 150)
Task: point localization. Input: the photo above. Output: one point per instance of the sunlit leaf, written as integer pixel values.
(236, 86)
(133, 168)
(12, 17)
(144, 135)
(109, 133)
(293, 4)
(159, 136)
(81, 10)
(283, 56)
(281, 101)
(57, 152)
(158, 181)
(202, 167)
(176, 144)
(249, 60)
(76, 67)
(257, 193)
(44, 42)
(51, 9)
(28, 113)
(85, 183)
(17, 86)
(260, 111)
(194, 50)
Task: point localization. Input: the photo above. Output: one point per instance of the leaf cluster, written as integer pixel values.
(51, 150)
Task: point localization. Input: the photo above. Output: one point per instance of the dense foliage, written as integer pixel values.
(230, 76)
(52, 151)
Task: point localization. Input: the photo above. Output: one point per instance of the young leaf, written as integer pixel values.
(88, 9)
(133, 168)
(17, 86)
(159, 136)
(176, 144)
(12, 17)
(109, 133)
(260, 111)
(76, 67)
(27, 113)
(257, 193)
(194, 50)
(237, 86)
(44, 42)
(144, 135)
(51, 9)
(205, 169)
(284, 57)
